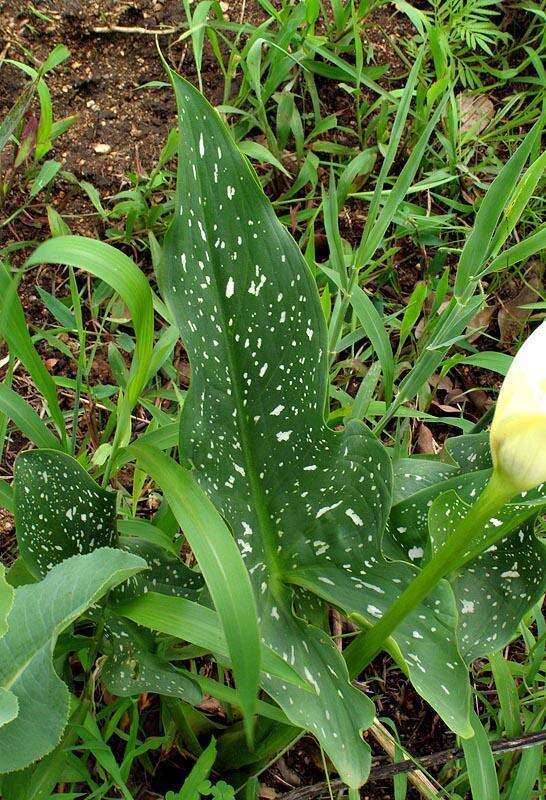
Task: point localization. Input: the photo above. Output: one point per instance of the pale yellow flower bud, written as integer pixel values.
(518, 432)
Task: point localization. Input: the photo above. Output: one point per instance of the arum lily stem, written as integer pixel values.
(456, 550)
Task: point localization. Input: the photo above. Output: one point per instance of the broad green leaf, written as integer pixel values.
(134, 668)
(9, 707)
(221, 564)
(411, 475)
(18, 574)
(59, 510)
(493, 591)
(470, 452)
(6, 600)
(496, 589)
(39, 781)
(169, 574)
(39, 614)
(306, 505)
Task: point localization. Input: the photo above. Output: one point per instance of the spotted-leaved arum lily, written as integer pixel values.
(518, 432)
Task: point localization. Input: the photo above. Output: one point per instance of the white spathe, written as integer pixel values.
(518, 432)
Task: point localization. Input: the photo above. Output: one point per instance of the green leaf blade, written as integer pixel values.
(222, 567)
(40, 612)
(253, 418)
(60, 510)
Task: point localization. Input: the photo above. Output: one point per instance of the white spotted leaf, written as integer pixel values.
(34, 701)
(60, 510)
(133, 667)
(168, 573)
(494, 590)
(307, 505)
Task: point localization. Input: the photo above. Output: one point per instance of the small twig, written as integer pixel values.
(416, 777)
(382, 771)
(137, 31)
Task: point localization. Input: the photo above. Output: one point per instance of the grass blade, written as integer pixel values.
(222, 566)
(13, 328)
(372, 322)
(121, 273)
(26, 419)
(478, 244)
(480, 763)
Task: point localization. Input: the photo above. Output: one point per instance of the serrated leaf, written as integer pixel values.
(40, 612)
(9, 706)
(134, 668)
(59, 510)
(307, 505)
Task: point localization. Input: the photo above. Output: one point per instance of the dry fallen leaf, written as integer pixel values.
(426, 443)
(512, 317)
(480, 322)
(475, 112)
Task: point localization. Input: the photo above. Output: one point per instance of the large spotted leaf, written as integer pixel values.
(34, 701)
(134, 667)
(493, 591)
(497, 588)
(168, 574)
(307, 506)
(60, 510)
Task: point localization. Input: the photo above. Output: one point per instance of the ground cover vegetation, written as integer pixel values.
(257, 537)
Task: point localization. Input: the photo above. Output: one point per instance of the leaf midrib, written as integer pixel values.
(260, 506)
